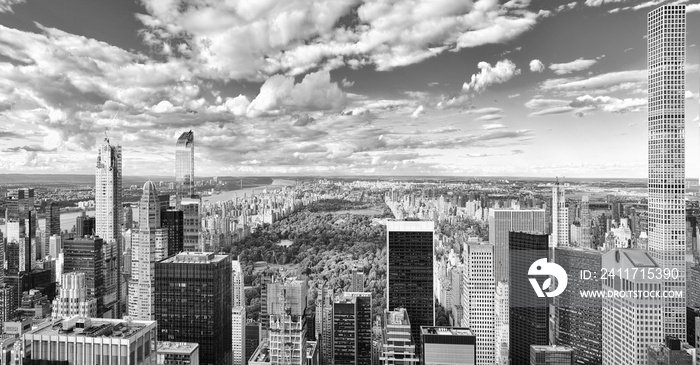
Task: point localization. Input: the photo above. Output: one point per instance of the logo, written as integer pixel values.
(543, 268)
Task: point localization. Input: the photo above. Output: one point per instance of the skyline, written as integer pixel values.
(410, 95)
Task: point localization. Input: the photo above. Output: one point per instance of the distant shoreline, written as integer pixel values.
(232, 194)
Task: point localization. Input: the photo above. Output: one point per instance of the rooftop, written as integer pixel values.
(550, 348)
(262, 353)
(195, 258)
(92, 327)
(177, 347)
(639, 258)
(446, 331)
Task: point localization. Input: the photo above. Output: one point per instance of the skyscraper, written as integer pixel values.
(502, 221)
(357, 283)
(529, 319)
(192, 225)
(560, 217)
(108, 220)
(501, 324)
(632, 323)
(149, 245)
(184, 166)
(84, 225)
(52, 223)
(193, 303)
(410, 271)
(586, 236)
(352, 329)
(478, 299)
(551, 355)
(173, 220)
(85, 255)
(666, 116)
(578, 320)
(238, 332)
(73, 299)
(324, 324)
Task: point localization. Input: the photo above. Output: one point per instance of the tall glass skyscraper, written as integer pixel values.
(666, 116)
(184, 166)
(410, 272)
(108, 220)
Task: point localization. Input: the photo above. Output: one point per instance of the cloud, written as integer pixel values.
(692, 8)
(9, 135)
(295, 36)
(573, 66)
(302, 120)
(536, 66)
(417, 112)
(489, 117)
(6, 5)
(624, 79)
(513, 96)
(552, 111)
(33, 148)
(545, 103)
(490, 126)
(347, 83)
(314, 92)
(568, 6)
(164, 107)
(489, 75)
(610, 104)
(601, 2)
(488, 110)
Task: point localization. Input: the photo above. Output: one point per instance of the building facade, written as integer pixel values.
(448, 346)
(410, 271)
(503, 221)
(666, 33)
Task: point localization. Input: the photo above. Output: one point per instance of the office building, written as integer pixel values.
(551, 355)
(398, 346)
(8, 302)
(529, 317)
(52, 224)
(410, 271)
(560, 217)
(73, 299)
(184, 166)
(85, 255)
(448, 346)
(74, 341)
(666, 116)
(177, 353)
(586, 220)
(352, 329)
(631, 322)
(84, 225)
(173, 221)
(238, 332)
(503, 221)
(55, 245)
(478, 299)
(128, 216)
(193, 303)
(108, 221)
(261, 355)
(670, 352)
(579, 320)
(149, 245)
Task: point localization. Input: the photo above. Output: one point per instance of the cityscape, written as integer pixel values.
(352, 205)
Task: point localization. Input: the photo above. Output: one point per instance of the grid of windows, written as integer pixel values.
(666, 81)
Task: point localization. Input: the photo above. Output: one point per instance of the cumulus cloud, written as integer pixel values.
(314, 92)
(573, 66)
(545, 103)
(295, 36)
(536, 66)
(489, 75)
(692, 8)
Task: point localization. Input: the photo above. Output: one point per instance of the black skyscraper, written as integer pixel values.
(529, 321)
(410, 272)
(193, 303)
(172, 219)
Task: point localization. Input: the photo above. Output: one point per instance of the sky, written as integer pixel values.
(335, 87)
